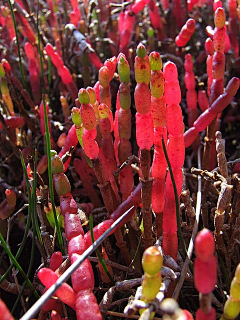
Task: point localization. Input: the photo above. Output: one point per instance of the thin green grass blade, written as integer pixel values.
(17, 265)
(28, 220)
(49, 76)
(59, 235)
(35, 224)
(13, 259)
(97, 251)
(35, 229)
(28, 273)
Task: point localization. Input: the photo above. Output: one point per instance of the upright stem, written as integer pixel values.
(145, 158)
(107, 194)
(59, 235)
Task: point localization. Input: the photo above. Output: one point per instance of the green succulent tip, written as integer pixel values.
(141, 51)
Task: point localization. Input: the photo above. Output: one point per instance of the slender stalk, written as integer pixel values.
(35, 224)
(97, 251)
(59, 235)
(28, 220)
(17, 265)
(28, 273)
(176, 201)
(49, 76)
(35, 230)
(65, 12)
(18, 46)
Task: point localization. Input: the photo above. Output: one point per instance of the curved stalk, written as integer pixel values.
(176, 201)
(59, 235)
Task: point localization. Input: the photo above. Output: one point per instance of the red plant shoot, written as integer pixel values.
(111, 102)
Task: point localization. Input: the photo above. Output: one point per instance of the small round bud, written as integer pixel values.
(232, 86)
(170, 72)
(6, 66)
(155, 61)
(53, 153)
(76, 116)
(209, 46)
(150, 32)
(49, 49)
(57, 165)
(219, 17)
(204, 245)
(141, 51)
(103, 77)
(92, 95)
(111, 65)
(152, 260)
(123, 68)
(83, 96)
(62, 185)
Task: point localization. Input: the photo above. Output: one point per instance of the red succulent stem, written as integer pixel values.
(16, 83)
(13, 122)
(205, 273)
(159, 165)
(63, 71)
(34, 76)
(8, 22)
(233, 27)
(82, 278)
(186, 32)
(123, 124)
(218, 68)
(7, 206)
(209, 115)
(87, 183)
(176, 155)
(191, 95)
(144, 135)
(125, 27)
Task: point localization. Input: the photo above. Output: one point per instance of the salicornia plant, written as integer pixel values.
(108, 103)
